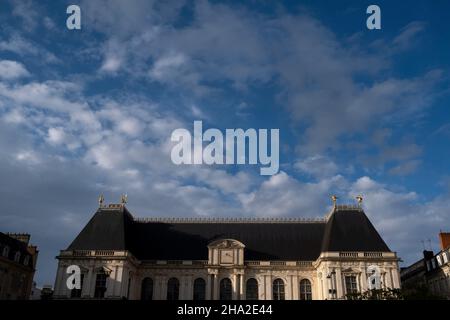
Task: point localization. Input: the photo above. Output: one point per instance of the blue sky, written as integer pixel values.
(91, 111)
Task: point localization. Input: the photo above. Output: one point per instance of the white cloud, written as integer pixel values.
(27, 12)
(408, 34)
(24, 47)
(56, 135)
(167, 67)
(405, 168)
(14, 116)
(49, 23)
(233, 45)
(317, 166)
(401, 217)
(111, 64)
(283, 195)
(28, 157)
(130, 126)
(12, 70)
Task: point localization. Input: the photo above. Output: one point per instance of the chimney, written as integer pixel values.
(428, 254)
(444, 239)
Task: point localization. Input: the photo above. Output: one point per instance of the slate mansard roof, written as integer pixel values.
(114, 228)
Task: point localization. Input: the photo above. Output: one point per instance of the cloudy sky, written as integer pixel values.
(91, 111)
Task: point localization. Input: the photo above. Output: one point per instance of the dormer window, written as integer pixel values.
(439, 260)
(5, 252)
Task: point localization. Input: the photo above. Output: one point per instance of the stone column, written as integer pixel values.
(262, 288)
(289, 286)
(59, 283)
(235, 287)
(364, 285)
(208, 287)
(122, 282)
(322, 288)
(358, 282)
(216, 295)
(389, 277)
(268, 287)
(295, 288)
(396, 280)
(325, 285)
(241, 287)
(190, 288)
(331, 286)
(339, 284)
(87, 287)
(110, 284)
(163, 282)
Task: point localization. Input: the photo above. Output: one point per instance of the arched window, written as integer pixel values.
(17, 256)
(225, 289)
(199, 289)
(173, 289)
(252, 289)
(305, 290)
(278, 289)
(5, 251)
(147, 289)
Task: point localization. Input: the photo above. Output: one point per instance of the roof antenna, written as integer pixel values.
(429, 244)
(423, 244)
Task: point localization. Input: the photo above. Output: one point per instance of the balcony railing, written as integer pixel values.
(93, 253)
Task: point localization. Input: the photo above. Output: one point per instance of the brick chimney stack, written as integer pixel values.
(444, 239)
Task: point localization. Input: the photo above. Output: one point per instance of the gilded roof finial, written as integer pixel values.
(101, 199)
(123, 199)
(334, 198)
(359, 198)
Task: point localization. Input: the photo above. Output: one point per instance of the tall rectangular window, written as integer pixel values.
(350, 284)
(100, 285)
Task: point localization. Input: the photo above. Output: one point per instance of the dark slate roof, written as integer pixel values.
(107, 230)
(351, 230)
(263, 241)
(172, 239)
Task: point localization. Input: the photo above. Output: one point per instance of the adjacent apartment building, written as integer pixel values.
(432, 271)
(17, 266)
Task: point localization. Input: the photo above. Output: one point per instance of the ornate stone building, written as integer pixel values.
(121, 256)
(17, 266)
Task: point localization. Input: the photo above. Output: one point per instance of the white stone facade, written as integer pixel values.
(326, 278)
